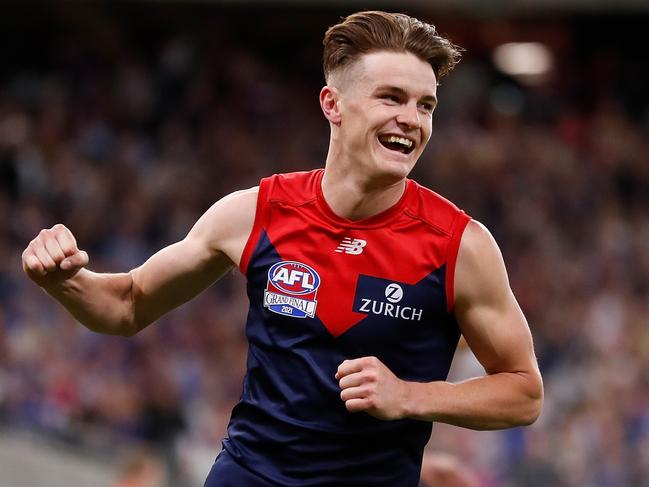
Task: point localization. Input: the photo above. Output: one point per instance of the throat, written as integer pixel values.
(356, 202)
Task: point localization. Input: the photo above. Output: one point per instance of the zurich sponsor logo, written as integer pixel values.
(393, 292)
(376, 296)
(291, 289)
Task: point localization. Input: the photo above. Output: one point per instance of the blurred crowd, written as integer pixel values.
(127, 140)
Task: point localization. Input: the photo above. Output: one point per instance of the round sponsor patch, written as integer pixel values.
(291, 289)
(393, 292)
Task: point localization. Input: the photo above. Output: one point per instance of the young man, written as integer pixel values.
(360, 283)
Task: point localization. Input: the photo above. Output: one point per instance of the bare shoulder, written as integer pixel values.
(240, 204)
(480, 269)
(477, 238)
(226, 225)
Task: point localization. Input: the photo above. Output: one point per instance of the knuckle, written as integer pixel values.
(353, 406)
(370, 376)
(370, 361)
(70, 248)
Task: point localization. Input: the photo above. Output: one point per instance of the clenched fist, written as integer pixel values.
(53, 256)
(368, 385)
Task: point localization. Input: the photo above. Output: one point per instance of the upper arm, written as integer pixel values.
(180, 271)
(487, 311)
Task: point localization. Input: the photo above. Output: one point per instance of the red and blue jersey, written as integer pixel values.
(323, 289)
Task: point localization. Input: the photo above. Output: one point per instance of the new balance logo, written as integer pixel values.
(351, 246)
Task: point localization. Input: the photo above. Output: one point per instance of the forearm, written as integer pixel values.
(496, 401)
(101, 302)
(496, 331)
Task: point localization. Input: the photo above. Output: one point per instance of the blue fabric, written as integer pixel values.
(290, 426)
(227, 473)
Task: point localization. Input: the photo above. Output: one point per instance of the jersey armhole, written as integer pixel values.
(258, 225)
(460, 223)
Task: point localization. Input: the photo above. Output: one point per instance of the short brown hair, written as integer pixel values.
(374, 30)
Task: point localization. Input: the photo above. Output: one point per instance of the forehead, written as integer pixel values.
(400, 69)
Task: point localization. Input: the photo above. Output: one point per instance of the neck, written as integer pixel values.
(356, 197)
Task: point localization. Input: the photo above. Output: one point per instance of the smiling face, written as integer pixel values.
(380, 109)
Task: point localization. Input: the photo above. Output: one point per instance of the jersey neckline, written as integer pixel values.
(380, 219)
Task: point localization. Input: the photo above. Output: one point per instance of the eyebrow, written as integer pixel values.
(401, 92)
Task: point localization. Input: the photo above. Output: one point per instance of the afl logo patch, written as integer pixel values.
(291, 289)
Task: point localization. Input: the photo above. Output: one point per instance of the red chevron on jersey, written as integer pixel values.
(403, 244)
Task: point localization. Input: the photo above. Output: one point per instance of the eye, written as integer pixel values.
(390, 98)
(427, 107)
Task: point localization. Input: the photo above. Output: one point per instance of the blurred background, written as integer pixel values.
(127, 120)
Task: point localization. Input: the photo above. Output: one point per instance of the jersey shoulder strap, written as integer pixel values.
(445, 217)
(296, 188)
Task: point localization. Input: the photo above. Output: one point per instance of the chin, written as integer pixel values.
(395, 165)
(394, 171)
(399, 165)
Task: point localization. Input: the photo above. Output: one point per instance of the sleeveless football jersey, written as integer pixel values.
(323, 289)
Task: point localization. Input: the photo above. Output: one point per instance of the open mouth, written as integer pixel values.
(396, 143)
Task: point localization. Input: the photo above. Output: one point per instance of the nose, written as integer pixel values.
(409, 116)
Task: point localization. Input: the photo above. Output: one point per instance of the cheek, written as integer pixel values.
(428, 130)
(361, 126)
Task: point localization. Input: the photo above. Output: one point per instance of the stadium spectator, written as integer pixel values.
(140, 468)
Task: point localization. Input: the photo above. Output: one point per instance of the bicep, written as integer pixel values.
(180, 271)
(486, 310)
(173, 276)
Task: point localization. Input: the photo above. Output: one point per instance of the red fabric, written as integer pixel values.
(405, 243)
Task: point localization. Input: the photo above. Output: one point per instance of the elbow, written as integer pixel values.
(123, 329)
(525, 404)
(532, 413)
(130, 324)
(131, 327)
(128, 330)
(533, 403)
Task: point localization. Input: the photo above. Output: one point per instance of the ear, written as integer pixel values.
(329, 102)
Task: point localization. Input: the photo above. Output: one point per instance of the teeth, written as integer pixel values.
(399, 140)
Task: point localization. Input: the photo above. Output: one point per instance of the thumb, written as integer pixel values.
(75, 261)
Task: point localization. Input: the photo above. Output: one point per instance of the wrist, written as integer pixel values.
(420, 400)
(409, 400)
(60, 288)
